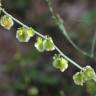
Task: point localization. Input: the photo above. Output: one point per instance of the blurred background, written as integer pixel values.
(26, 72)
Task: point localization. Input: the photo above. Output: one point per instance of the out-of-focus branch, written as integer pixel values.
(0, 3)
(93, 45)
(60, 23)
(0, 6)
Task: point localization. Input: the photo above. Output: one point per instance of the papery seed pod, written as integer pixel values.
(60, 63)
(6, 22)
(39, 44)
(89, 73)
(79, 78)
(48, 44)
(22, 34)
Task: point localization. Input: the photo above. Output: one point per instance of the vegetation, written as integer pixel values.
(45, 44)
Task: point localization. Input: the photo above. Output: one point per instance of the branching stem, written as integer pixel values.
(59, 51)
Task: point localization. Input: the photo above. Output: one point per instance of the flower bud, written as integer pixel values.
(89, 73)
(39, 44)
(30, 32)
(6, 22)
(48, 44)
(79, 78)
(60, 63)
(22, 34)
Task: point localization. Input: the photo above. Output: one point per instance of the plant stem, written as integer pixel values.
(67, 58)
(59, 51)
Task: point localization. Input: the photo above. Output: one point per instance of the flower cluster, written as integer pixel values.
(60, 63)
(24, 34)
(42, 44)
(86, 74)
(45, 44)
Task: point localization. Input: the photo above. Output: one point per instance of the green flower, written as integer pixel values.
(89, 73)
(30, 32)
(6, 22)
(22, 34)
(86, 74)
(79, 78)
(39, 44)
(48, 44)
(60, 63)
